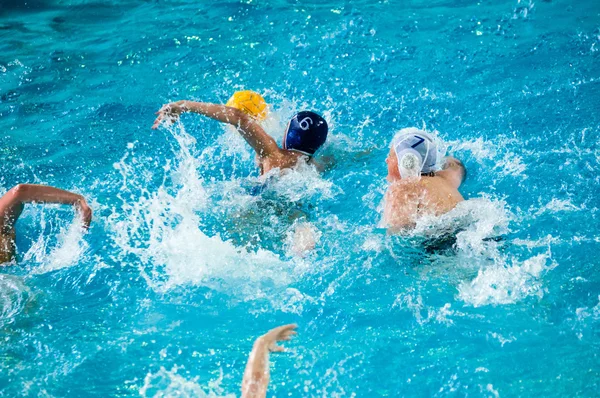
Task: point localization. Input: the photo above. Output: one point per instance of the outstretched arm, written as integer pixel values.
(253, 133)
(454, 171)
(256, 376)
(11, 204)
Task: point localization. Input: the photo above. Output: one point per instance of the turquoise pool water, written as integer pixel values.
(182, 268)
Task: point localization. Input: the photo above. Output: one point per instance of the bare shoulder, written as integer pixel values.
(406, 188)
(442, 193)
(290, 159)
(401, 205)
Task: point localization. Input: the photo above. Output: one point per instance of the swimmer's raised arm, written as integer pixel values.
(454, 171)
(253, 133)
(256, 376)
(11, 204)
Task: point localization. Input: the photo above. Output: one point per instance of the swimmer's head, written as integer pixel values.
(413, 153)
(249, 102)
(306, 133)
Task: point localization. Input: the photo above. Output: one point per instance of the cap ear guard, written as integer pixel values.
(410, 163)
(411, 159)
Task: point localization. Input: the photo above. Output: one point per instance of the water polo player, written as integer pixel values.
(419, 184)
(305, 134)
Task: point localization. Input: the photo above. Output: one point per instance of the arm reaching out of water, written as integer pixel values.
(12, 203)
(256, 376)
(253, 133)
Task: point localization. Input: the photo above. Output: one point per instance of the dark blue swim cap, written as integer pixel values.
(306, 132)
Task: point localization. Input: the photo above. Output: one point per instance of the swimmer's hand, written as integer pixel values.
(86, 212)
(281, 333)
(170, 112)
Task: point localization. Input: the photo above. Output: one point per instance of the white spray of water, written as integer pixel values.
(558, 205)
(504, 161)
(413, 302)
(506, 284)
(160, 228)
(474, 221)
(68, 250)
(14, 295)
(478, 225)
(303, 183)
(168, 383)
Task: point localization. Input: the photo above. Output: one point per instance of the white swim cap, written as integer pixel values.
(416, 151)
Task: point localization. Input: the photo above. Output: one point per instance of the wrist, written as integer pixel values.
(261, 342)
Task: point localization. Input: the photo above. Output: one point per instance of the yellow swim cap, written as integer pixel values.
(250, 102)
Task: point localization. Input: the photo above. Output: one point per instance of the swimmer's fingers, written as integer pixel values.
(286, 336)
(157, 121)
(161, 116)
(171, 118)
(281, 333)
(168, 112)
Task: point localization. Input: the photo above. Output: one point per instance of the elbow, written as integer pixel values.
(19, 190)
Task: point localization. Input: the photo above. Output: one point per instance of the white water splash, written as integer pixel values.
(14, 295)
(302, 183)
(504, 161)
(474, 222)
(585, 313)
(558, 205)
(161, 229)
(506, 284)
(69, 248)
(168, 383)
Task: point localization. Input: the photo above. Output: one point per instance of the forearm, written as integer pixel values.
(218, 112)
(26, 193)
(256, 375)
(251, 131)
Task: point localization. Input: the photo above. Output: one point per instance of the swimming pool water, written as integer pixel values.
(183, 268)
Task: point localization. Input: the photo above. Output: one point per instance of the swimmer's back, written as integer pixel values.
(408, 200)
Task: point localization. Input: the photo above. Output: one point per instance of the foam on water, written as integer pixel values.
(494, 153)
(413, 302)
(303, 183)
(593, 313)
